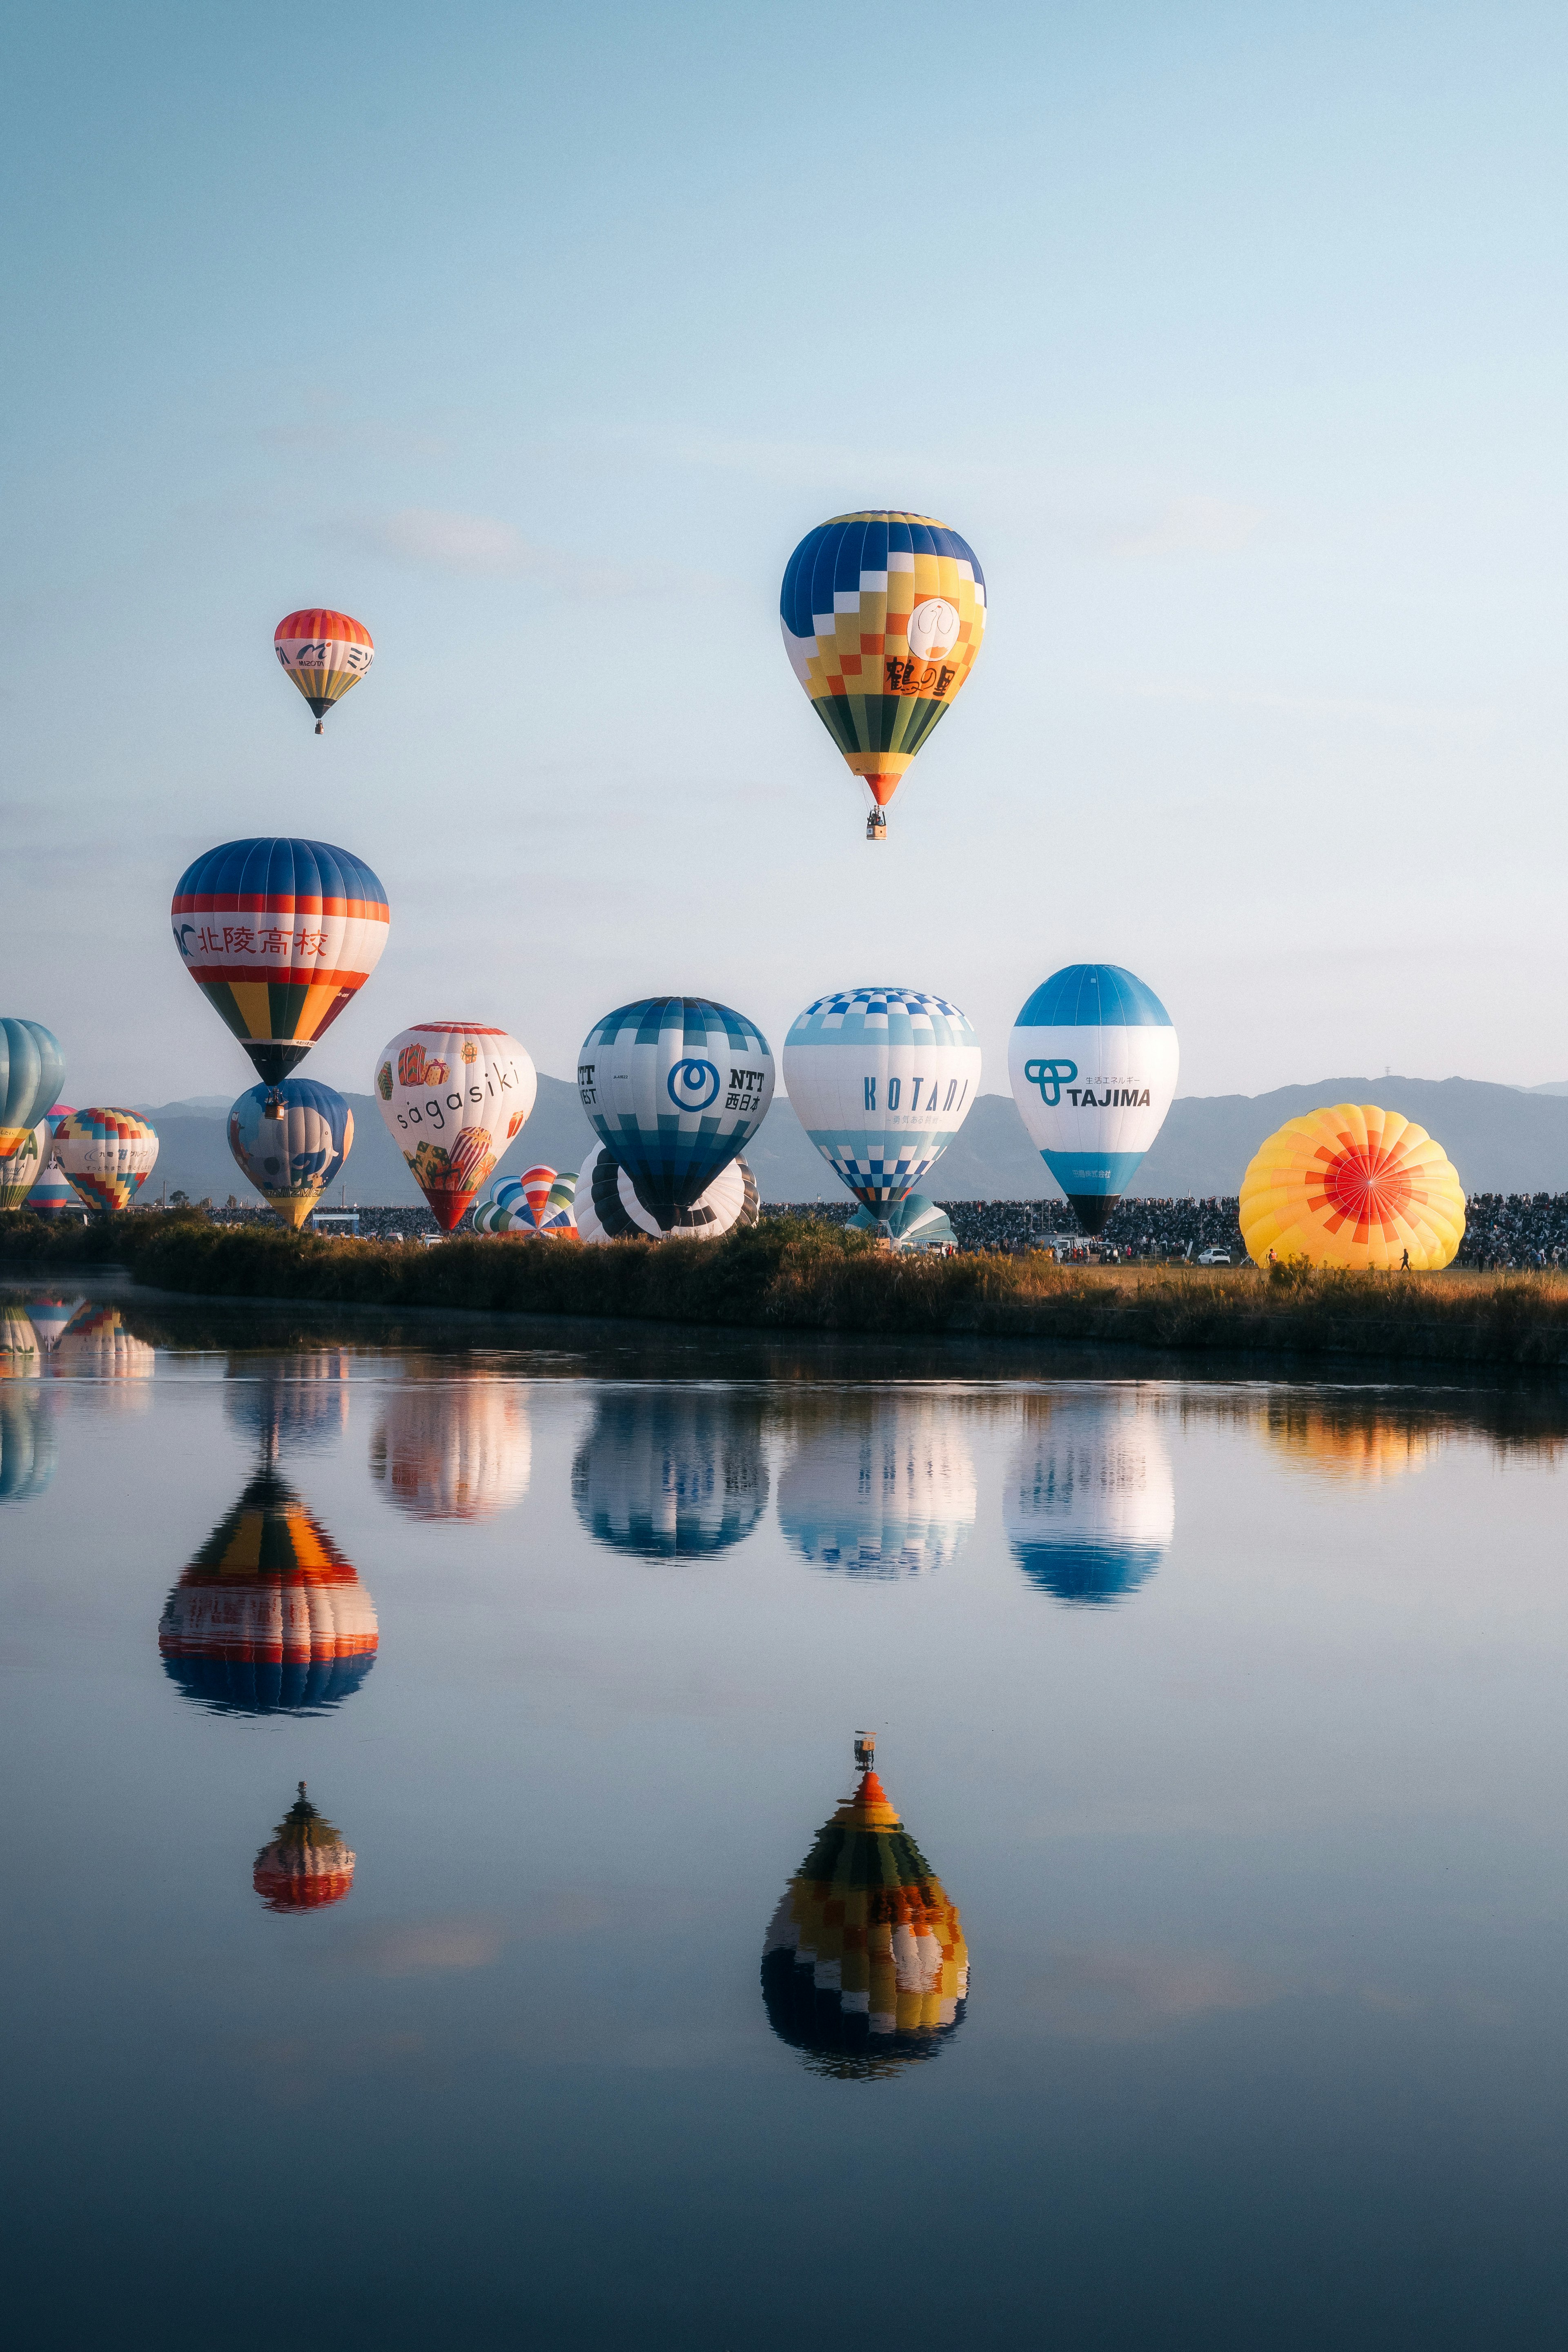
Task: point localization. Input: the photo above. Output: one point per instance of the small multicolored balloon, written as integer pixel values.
(325, 654)
(108, 1154)
(293, 1160)
(307, 1865)
(453, 1095)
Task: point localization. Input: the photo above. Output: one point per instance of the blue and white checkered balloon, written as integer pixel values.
(882, 1080)
(674, 1086)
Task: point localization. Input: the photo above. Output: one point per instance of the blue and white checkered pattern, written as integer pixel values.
(674, 1088)
(882, 1080)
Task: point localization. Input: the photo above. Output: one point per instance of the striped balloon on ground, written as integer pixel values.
(108, 1154)
(606, 1208)
(912, 1224)
(882, 1080)
(279, 934)
(675, 1087)
(324, 653)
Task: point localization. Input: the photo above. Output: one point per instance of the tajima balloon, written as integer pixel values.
(279, 934)
(1093, 1061)
(607, 1208)
(865, 1965)
(453, 1094)
(107, 1154)
(307, 1865)
(675, 1087)
(31, 1068)
(293, 1160)
(882, 1080)
(882, 616)
(324, 653)
(20, 1169)
(1353, 1186)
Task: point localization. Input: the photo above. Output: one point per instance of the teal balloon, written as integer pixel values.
(32, 1072)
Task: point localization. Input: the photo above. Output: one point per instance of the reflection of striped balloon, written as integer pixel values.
(97, 1345)
(670, 1474)
(458, 1450)
(26, 1444)
(1091, 1504)
(269, 1615)
(307, 1865)
(864, 1967)
(20, 1353)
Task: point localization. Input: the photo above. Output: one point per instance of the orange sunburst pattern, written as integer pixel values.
(1352, 1186)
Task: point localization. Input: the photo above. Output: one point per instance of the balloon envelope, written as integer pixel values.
(108, 1154)
(31, 1068)
(879, 1485)
(882, 615)
(608, 1210)
(912, 1224)
(279, 935)
(1090, 1505)
(20, 1357)
(454, 1450)
(26, 1444)
(1093, 1061)
(882, 1080)
(1352, 1186)
(453, 1095)
(293, 1160)
(670, 1473)
(325, 654)
(21, 1169)
(674, 1086)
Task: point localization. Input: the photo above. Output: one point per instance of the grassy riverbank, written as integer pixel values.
(804, 1274)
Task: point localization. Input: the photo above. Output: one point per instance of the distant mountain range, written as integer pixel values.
(1500, 1138)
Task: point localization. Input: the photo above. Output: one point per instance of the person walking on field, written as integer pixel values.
(1404, 1263)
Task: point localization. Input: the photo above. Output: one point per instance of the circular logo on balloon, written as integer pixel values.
(693, 1084)
(934, 627)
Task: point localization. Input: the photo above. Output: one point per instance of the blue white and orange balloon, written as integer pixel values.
(882, 1080)
(108, 1154)
(674, 1086)
(1093, 1061)
(21, 1169)
(31, 1068)
(324, 653)
(454, 1094)
(279, 934)
(293, 1160)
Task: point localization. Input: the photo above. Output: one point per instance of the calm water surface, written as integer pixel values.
(1199, 1976)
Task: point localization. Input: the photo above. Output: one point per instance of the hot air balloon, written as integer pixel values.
(1352, 1186)
(31, 1068)
(674, 1086)
(608, 1210)
(1089, 1507)
(453, 1094)
(53, 1195)
(454, 1450)
(26, 1443)
(19, 1354)
(279, 935)
(270, 1616)
(293, 1160)
(1093, 1061)
(670, 1473)
(307, 1865)
(865, 1967)
(879, 1485)
(561, 1205)
(324, 653)
(882, 616)
(882, 1080)
(21, 1169)
(108, 1154)
(912, 1224)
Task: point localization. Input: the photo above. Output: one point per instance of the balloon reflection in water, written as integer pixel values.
(1091, 1506)
(21, 1357)
(865, 1967)
(1353, 1442)
(671, 1473)
(51, 1318)
(270, 1615)
(26, 1443)
(291, 1401)
(456, 1449)
(307, 1865)
(883, 1486)
(98, 1344)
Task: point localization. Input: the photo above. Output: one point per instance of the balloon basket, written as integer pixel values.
(877, 826)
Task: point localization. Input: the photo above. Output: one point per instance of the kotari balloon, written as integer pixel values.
(882, 616)
(453, 1094)
(607, 1209)
(1093, 1063)
(675, 1087)
(324, 653)
(279, 934)
(293, 1160)
(31, 1068)
(1352, 1186)
(882, 1079)
(108, 1154)
(21, 1169)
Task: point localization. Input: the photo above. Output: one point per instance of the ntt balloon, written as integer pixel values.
(882, 616)
(882, 1080)
(31, 1068)
(279, 935)
(324, 653)
(1093, 1061)
(1352, 1186)
(293, 1160)
(108, 1154)
(453, 1094)
(674, 1086)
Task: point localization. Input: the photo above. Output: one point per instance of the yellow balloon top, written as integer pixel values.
(1352, 1186)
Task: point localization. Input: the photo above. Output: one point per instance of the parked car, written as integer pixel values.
(1215, 1256)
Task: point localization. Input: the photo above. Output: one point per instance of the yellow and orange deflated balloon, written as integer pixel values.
(1352, 1186)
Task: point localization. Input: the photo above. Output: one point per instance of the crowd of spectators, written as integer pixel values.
(1515, 1229)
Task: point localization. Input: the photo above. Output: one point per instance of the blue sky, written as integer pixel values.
(1231, 337)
